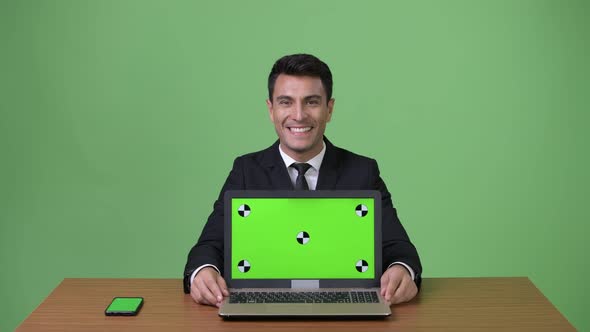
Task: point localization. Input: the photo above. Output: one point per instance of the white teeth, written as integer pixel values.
(300, 130)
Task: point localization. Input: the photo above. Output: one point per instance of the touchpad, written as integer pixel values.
(288, 308)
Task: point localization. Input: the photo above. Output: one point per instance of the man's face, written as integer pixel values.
(300, 110)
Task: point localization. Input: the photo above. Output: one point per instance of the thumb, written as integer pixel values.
(222, 285)
(384, 283)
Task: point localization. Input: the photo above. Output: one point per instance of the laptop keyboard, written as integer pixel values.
(304, 297)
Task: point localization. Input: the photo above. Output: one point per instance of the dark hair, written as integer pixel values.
(301, 65)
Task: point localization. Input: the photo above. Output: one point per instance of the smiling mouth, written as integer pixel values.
(299, 129)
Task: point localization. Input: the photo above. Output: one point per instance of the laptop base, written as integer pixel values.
(286, 310)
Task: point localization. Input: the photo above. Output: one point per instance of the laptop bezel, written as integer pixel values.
(288, 283)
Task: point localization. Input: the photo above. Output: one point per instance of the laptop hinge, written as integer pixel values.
(305, 284)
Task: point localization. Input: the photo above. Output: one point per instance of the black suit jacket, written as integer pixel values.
(340, 170)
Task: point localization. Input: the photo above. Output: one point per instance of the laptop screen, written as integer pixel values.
(307, 235)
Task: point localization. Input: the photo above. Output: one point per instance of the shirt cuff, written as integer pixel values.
(412, 274)
(202, 267)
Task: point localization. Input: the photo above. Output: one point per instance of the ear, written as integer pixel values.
(330, 108)
(270, 110)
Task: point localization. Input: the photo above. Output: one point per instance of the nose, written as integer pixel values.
(299, 112)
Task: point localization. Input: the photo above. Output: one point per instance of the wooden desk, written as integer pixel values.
(454, 304)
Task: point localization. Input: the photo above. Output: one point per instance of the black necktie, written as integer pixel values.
(301, 183)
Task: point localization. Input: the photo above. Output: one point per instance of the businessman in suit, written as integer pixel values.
(300, 104)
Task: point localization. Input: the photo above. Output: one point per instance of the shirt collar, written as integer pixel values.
(315, 162)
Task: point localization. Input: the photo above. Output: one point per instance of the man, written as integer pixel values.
(300, 105)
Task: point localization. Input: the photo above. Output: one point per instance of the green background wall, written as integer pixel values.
(120, 120)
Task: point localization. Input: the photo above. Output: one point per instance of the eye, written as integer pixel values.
(284, 102)
(313, 102)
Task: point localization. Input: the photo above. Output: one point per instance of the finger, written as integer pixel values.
(392, 286)
(206, 296)
(406, 291)
(195, 294)
(214, 289)
(400, 294)
(222, 285)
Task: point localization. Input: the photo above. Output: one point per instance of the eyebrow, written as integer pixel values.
(283, 97)
(313, 97)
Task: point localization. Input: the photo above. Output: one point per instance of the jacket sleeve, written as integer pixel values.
(397, 246)
(209, 247)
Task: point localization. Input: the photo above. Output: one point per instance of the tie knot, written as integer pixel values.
(301, 167)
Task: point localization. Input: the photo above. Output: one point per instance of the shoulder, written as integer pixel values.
(344, 156)
(260, 158)
(344, 153)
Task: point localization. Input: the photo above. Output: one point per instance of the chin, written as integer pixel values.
(299, 149)
(298, 145)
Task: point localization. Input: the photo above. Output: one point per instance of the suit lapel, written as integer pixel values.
(330, 169)
(275, 166)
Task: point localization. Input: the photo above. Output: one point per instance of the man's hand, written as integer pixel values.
(208, 287)
(397, 285)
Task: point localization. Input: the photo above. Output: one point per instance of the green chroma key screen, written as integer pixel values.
(303, 238)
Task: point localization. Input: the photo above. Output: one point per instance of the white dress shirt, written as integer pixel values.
(311, 176)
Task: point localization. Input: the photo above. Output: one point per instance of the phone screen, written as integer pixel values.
(124, 306)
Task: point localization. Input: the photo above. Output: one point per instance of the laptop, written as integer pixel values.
(303, 253)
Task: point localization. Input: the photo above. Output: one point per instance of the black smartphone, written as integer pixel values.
(124, 306)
